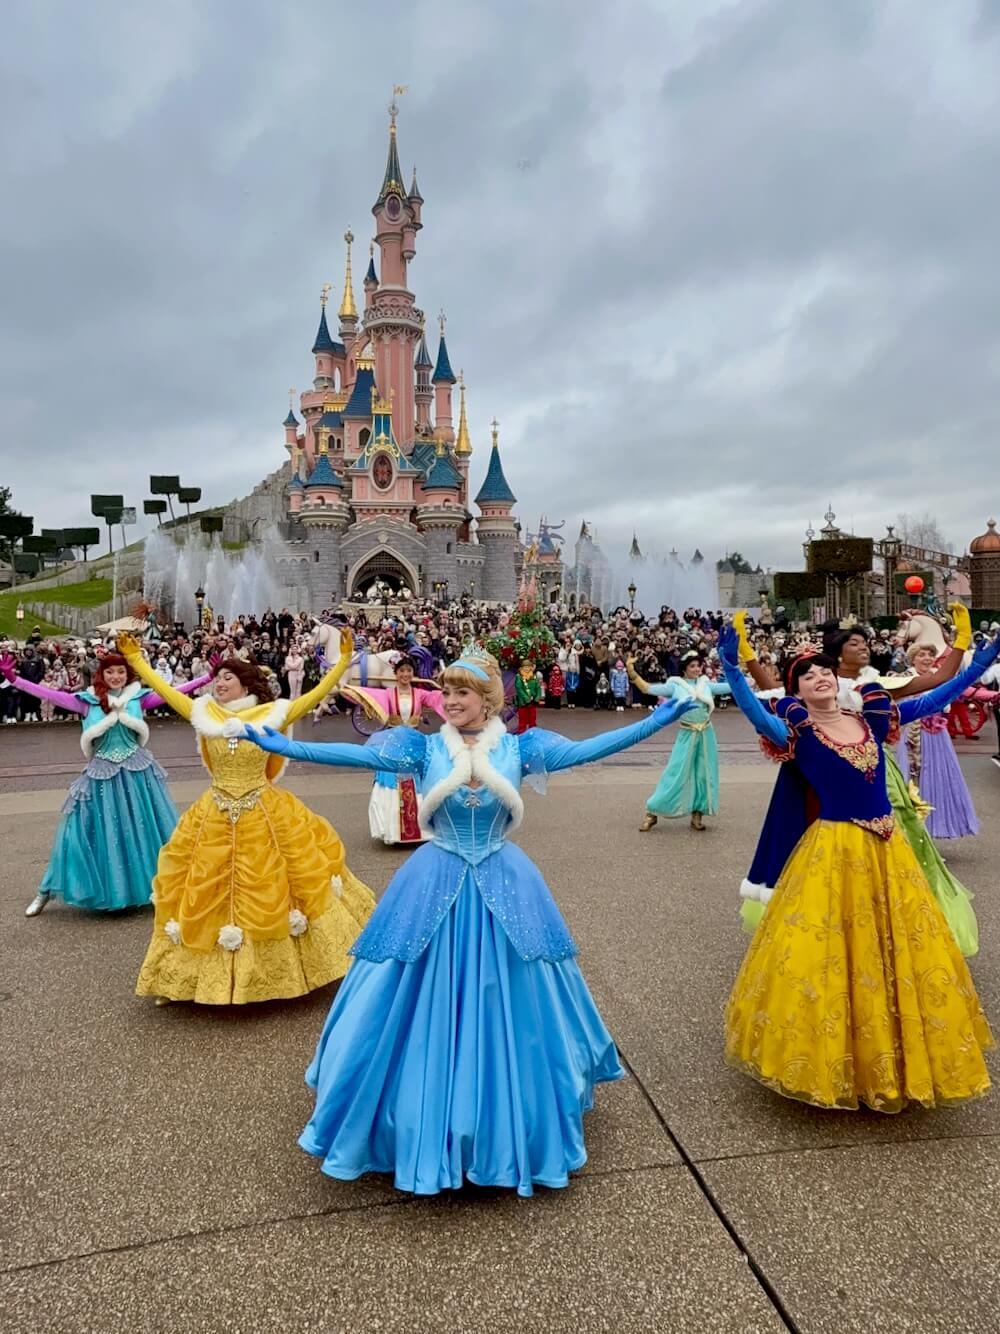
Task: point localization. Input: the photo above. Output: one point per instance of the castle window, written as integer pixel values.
(316, 557)
(364, 437)
(448, 549)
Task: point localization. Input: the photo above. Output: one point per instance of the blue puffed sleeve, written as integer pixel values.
(933, 701)
(880, 712)
(397, 750)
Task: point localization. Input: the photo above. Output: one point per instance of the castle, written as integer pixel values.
(376, 485)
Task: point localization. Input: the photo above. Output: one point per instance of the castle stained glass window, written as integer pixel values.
(382, 472)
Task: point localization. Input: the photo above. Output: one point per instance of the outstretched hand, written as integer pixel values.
(672, 709)
(984, 656)
(8, 667)
(215, 661)
(962, 622)
(127, 645)
(346, 648)
(276, 743)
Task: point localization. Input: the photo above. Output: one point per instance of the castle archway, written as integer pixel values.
(385, 565)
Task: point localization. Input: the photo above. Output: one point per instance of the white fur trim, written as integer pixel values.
(759, 893)
(116, 714)
(469, 763)
(209, 717)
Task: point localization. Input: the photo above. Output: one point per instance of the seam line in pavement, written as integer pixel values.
(767, 1287)
(847, 1145)
(333, 1211)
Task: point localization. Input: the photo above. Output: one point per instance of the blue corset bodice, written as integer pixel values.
(472, 823)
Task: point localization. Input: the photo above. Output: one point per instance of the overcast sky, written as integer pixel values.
(712, 265)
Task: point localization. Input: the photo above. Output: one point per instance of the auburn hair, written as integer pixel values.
(100, 687)
(250, 676)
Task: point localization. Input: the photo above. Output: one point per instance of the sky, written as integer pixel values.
(714, 265)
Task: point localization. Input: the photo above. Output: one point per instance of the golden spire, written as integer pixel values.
(463, 444)
(348, 310)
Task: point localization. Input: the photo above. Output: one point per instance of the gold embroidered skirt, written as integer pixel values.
(853, 988)
(253, 901)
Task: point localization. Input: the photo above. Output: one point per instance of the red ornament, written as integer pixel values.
(914, 584)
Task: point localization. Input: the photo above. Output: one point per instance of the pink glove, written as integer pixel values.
(215, 661)
(8, 667)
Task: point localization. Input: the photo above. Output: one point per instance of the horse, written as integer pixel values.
(377, 669)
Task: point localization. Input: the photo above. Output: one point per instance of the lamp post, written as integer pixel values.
(632, 590)
(472, 590)
(19, 614)
(199, 598)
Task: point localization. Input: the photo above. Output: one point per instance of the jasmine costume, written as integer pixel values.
(853, 989)
(254, 900)
(689, 785)
(118, 813)
(464, 1042)
(794, 805)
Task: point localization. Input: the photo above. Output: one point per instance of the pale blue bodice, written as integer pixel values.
(472, 823)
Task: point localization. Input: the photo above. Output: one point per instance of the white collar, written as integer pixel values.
(469, 763)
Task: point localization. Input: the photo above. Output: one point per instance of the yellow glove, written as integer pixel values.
(746, 653)
(128, 646)
(963, 626)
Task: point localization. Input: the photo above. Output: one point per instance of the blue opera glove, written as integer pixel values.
(933, 701)
(276, 743)
(552, 752)
(759, 717)
(399, 750)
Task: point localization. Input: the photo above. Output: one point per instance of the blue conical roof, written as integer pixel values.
(443, 374)
(371, 276)
(495, 489)
(296, 482)
(291, 419)
(441, 476)
(323, 343)
(323, 474)
(423, 356)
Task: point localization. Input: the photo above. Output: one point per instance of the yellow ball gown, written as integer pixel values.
(254, 900)
(853, 989)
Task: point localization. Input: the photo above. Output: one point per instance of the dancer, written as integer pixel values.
(793, 804)
(464, 1042)
(253, 897)
(394, 804)
(118, 813)
(689, 785)
(853, 989)
(927, 759)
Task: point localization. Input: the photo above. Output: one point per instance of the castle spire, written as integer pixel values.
(392, 182)
(443, 374)
(348, 310)
(463, 444)
(323, 343)
(495, 489)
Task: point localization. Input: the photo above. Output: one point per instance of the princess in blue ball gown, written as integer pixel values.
(463, 1043)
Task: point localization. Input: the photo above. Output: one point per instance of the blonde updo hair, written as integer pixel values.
(491, 689)
(914, 649)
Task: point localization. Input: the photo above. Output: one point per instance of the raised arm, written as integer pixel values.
(759, 717)
(662, 689)
(131, 652)
(298, 708)
(933, 701)
(950, 664)
(154, 701)
(61, 697)
(762, 678)
(560, 753)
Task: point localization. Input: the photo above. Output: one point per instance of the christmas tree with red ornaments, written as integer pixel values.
(525, 635)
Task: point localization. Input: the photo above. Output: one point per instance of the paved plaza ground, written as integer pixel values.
(150, 1178)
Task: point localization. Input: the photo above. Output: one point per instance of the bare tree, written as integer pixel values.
(921, 530)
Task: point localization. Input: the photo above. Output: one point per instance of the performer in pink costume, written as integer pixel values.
(394, 805)
(118, 813)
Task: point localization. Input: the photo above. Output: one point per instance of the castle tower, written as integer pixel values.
(392, 320)
(497, 530)
(463, 442)
(348, 310)
(326, 515)
(442, 380)
(424, 392)
(984, 569)
(440, 517)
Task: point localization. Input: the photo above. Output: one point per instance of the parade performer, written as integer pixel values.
(463, 1043)
(394, 804)
(527, 695)
(793, 804)
(927, 760)
(253, 897)
(118, 813)
(853, 989)
(689, 785)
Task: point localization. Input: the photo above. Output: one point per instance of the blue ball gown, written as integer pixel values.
(463, 1043)
(117, 815)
